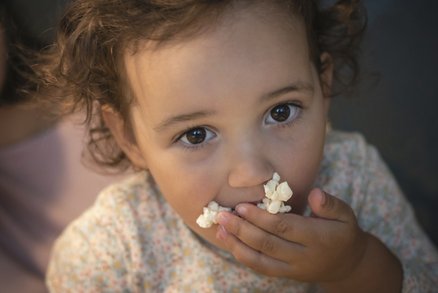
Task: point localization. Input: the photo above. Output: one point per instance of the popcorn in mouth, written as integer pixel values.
(208, 217)
(276, 194)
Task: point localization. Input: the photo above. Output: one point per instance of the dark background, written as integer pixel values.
(395, 106)
(397, 103)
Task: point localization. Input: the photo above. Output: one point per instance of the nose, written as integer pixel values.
(249, 166)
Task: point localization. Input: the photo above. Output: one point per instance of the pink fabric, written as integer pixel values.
(45, 175)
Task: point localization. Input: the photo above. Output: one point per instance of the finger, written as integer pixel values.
(259, 239)
(251, 258)
(327, 206)
(291, 227)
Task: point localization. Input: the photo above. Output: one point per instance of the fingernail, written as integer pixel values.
(241, 210)
(222, 218)
(323, 197)
(221, 233)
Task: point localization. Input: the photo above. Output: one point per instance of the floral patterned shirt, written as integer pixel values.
(131, 240)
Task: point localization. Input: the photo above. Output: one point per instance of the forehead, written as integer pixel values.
(249, 46)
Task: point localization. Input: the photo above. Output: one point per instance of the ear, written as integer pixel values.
(326, 74)
(124, 137)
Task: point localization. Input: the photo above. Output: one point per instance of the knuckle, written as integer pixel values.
(239, 256)
(237, 251)
(330, 202)
(267, 245)
(237, 227)
(244, 258)
(281, 227)
(350, 215)
(255, 264)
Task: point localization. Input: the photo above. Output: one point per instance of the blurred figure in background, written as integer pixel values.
(43, 184)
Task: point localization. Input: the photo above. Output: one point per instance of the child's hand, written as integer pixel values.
(325, 247)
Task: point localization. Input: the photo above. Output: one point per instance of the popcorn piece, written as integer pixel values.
(208, 217)
(276, 195)
(274, 206)
(284, 192)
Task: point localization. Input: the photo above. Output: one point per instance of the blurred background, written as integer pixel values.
(43, 183)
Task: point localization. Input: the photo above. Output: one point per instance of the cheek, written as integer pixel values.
(300, 158)
(301, 167)
(185, 187)
(187, 191)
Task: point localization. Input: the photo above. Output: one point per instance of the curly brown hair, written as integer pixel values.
(83, 70)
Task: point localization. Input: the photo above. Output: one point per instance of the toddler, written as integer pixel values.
(207, 99)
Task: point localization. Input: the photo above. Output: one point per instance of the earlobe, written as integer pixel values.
(124, 138)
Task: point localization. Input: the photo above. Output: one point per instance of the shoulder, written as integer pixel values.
(345, 146)
(116, 208)
(350, 166)
(347, 154)
(353, 170)
(97, 249)
(118, 196)
(116, 205)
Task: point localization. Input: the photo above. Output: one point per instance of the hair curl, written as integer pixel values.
(82, 70)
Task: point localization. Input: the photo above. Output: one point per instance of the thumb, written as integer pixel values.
(324, 205)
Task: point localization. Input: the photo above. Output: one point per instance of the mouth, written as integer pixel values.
(254, 203)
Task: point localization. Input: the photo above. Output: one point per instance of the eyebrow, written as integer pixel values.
(295, 87)
(182, 118)
(299, 86)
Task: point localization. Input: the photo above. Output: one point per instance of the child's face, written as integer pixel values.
(218, 114)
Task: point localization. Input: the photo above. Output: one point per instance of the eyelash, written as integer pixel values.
(194, 147)
(294, 117)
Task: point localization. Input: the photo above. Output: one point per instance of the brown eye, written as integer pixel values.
(197, 136)
(280, 113)
(283, 114)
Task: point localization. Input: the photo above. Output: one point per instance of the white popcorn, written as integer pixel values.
(274, 206)
(208, 217)
(276, 195)
(284, 192)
